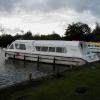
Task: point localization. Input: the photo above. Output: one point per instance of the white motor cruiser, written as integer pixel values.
(51, 51)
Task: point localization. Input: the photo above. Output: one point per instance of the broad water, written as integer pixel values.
(14, 72)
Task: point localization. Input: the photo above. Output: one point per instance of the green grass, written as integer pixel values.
(64, 87)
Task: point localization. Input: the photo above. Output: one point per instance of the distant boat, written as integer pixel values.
(51, 51)
(94, 47)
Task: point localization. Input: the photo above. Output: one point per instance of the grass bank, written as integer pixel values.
(82, 83)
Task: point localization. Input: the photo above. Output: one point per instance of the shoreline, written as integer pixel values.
(74, 84)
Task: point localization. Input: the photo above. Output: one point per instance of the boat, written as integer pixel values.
(74, 53)
(94, 47)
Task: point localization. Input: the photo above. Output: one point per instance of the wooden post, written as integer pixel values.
(24, 59)
(14, 58)
(5, 57)
(71, 66)
(5, 54)
(38, 61)
(54, 64)
(30, 77)
(76, 64)
(86, 63)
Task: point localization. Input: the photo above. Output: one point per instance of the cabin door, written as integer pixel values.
(84, 48)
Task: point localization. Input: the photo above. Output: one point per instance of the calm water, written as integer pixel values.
(12, 73)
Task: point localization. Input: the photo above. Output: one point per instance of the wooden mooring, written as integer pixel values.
(55, 68)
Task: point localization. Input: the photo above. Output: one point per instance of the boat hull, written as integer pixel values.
(96, 51)
(47, 58)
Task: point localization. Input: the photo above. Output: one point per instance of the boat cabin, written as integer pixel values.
(54, 47)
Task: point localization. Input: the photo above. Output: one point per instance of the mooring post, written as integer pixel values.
(30, 77)
(38, 61)
(5, 54)
(24, 59)
(14, 58)
(71, 66)
(76, 64)
(54, 64)
(86, 63)
(5, 57)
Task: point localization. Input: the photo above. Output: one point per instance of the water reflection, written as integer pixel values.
(14, 72)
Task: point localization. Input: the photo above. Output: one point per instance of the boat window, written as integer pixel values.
(92, 45)
(38, 48)
(20, 46)
(64, 50)
(61, 50)
(44, 48)
(51, 49)
(11, 47)
(96, 45)
(17, 46)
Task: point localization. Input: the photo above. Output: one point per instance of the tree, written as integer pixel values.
(53, 36)
(6, 39)
(96, 33)
(27, 36)
(18, 36)
(77, 31)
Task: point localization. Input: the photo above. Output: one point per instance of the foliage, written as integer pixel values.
(53, 36)
(96, 33)
(27, 36)
(78, 31)
(5, 39)
(18, 36)
(8, 39)
(75, 31)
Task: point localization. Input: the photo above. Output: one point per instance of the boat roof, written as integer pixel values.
(95, 43)
(24, 41)
(49, 42)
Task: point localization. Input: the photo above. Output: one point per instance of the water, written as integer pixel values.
(12, 73)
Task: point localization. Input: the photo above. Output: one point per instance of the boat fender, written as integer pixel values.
(17, 53)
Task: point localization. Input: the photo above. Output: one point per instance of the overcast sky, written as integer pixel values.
(46, 16)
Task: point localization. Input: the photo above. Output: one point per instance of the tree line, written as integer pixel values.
(75, 31)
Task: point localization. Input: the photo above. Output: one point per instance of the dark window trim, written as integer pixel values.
(20, 47)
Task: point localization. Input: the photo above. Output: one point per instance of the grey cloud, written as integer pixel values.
(78, 5)
(51, 5)
(7, 5)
